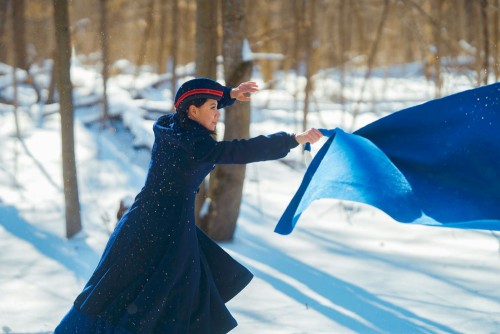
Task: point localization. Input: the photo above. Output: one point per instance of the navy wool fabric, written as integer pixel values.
(437, 163)
(159, 273)
(199, 88)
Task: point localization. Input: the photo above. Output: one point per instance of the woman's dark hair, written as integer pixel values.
(184, 106)
(182, 110)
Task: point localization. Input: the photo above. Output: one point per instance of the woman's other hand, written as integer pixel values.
(310, 136)
(243, 91)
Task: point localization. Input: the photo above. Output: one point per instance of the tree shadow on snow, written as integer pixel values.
(333, 246)
(354, 307)
(48, 244)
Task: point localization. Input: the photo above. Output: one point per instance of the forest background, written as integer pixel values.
(317, 33)
(347, 268)
(307, 37)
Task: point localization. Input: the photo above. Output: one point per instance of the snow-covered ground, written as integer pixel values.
(347, 267)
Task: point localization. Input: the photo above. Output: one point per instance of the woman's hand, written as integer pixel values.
(310, 136)
(243, 91)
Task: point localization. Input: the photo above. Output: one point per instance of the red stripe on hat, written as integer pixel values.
(199, 91)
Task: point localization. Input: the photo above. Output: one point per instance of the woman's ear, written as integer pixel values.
(192, 112)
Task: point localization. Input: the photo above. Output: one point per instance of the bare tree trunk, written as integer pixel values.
(61, 19)
(4, 4)
(18, 26)
(226, 182)
(358, 22)
(206, 66)
(485, 71)
(147, 34)
(206, 39)
(105, 60)
(298, 13)
(475, 14)
(161, 44)
(15, 95)
(438, 45)
(371, 60)
(460, 19)
(15, 61)
(342, 35)
(298, 7)
(470, 19)
(496, 38)
(309, 58)
(174, 45)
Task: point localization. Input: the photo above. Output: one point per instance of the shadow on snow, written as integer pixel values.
(378, 315)
(67, 253)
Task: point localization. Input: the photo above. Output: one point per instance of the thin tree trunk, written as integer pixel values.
(4, 4)
(18, 27)
(496, 38)
(298, 14)
(161, 44)
(147, 34)
(309, 59)
(438, 44)
(105, 59)
(470, 19)
(298, 27)
(206, 39)
(478, 36)
(460, 20)
(206, 66)
(15, 61)
(61, 18)
(14, 102)
(174, 46)
(371, 60)
(342, 35)
(485, 71)
(226, 182)
(357, 23)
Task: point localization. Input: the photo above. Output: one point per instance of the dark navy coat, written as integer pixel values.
(159, 273)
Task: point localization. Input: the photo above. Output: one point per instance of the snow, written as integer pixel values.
(248, 55)
(347, 267)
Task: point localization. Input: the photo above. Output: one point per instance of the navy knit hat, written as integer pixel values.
(198, 88)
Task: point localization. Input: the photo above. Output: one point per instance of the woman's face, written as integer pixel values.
(207, 115)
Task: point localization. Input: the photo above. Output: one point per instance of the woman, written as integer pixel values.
(159, 273)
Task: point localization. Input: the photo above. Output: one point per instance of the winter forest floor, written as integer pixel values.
(347, 267)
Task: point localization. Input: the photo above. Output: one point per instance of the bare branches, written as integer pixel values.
(371, 58)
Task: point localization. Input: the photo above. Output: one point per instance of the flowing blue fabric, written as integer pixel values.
(437, 163)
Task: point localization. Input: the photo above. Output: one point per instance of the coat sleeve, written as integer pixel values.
(226, 99)
(242, 151)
